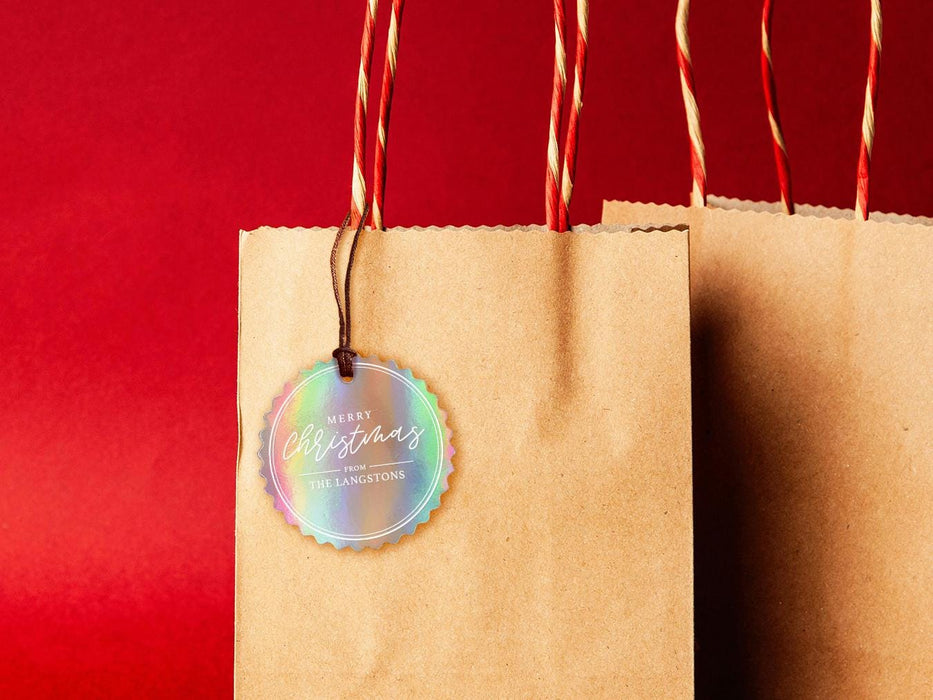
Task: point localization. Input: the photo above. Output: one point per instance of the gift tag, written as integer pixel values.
(356, 462)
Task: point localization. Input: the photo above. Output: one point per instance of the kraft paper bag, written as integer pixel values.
(813, 441)
(559, 563)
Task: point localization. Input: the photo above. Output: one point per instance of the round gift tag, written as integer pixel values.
(356, 463)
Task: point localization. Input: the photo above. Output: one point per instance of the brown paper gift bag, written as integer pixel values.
(812, 347)
(559, 563)
(812, 344)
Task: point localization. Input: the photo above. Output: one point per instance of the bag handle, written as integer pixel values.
(358, 205)
(868, 114)
(697, 148)
(557, 204)
(781, 161)
(385, 105)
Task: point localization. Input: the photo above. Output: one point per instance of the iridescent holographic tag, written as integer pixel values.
(356, 463)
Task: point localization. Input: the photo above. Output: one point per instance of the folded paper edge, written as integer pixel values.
(517, 228)
(804, 211)
(814, 210)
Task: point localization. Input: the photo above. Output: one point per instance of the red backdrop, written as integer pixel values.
(138, 138)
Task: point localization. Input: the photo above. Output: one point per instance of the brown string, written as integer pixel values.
(344, 352)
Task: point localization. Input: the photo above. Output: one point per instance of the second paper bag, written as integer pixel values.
(812, 346)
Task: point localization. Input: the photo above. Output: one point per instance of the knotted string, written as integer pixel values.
(359, 209)
(344, 352)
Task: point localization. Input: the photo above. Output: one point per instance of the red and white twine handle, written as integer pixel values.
(697, 149)
(868, 115)
(573, 126)
(385, 105)
(358, 188)
(552, 207)
(774, 117)
(557, 202)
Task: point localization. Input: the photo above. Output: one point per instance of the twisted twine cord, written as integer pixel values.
(573, 135)
(385, 105)
(868, 115)
(697, 149)
(358, 197)
(781, 160)
(552, 207)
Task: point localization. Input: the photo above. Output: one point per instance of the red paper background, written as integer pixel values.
(138, 138)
